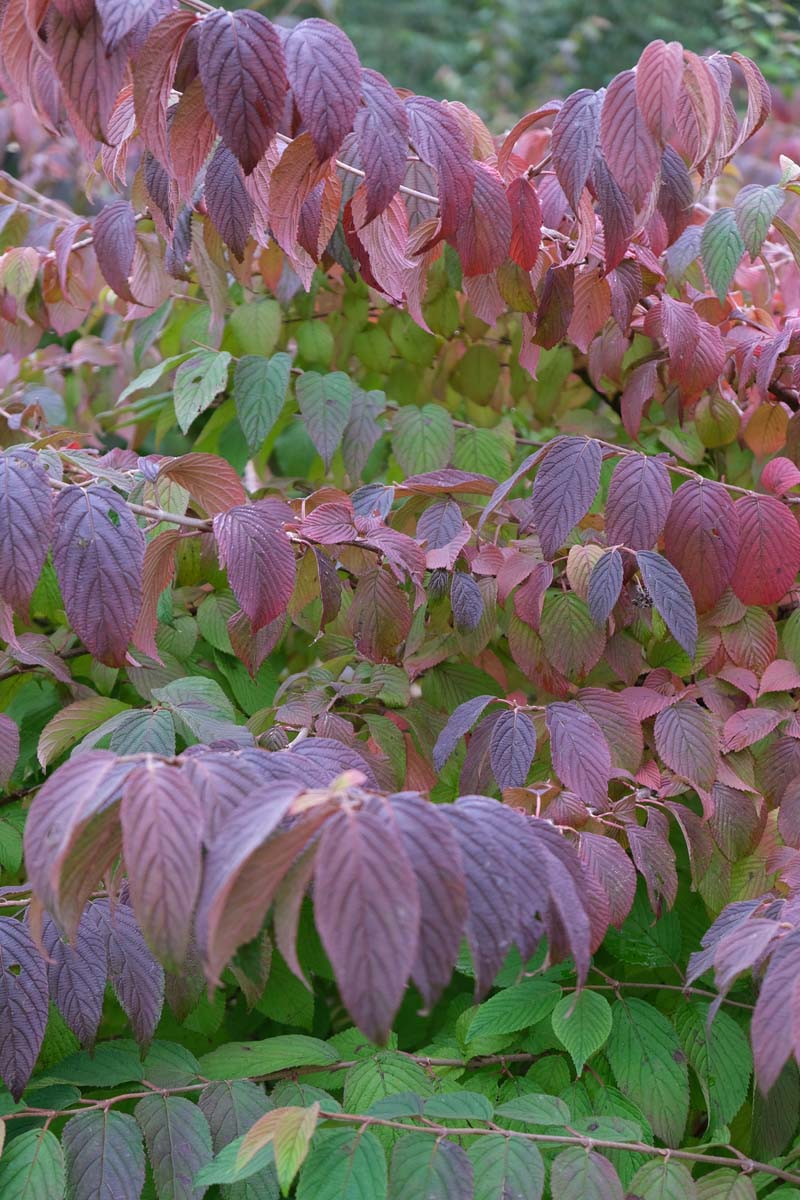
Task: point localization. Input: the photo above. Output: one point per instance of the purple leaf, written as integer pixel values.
(105, 1156)
(228, 201)
(258, 557)
(178, 1143)
(461, 721)
(580, 753)
(574, 140)
(431, 1167)
(466, 601)
(135, 975)
(605, 585)
(76, 974)
(775, 1033)
(26, 522)
(564, 489)
(23, 1004)
(439, 524)
(118, 17)
(439, 141)
(114, 241)
(511, 748)
(639, 497)
(9, 748)
(381, 129)
(578, 1174)
(98, 553)
(671, 597)
(688, 742)
(325, 76)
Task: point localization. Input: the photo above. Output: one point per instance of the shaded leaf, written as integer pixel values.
(26, 522)
(671, 597)
(178, 1143)
(105, 1156)
(430, 1167)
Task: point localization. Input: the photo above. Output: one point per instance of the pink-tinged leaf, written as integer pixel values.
(619, 722)
(580, 753)
(258, 557)
(9, 748)
(484, 236)
(616, 214)
(591, 307)
(449, 479)
(529, 599)
(229, 205)
(526, 222)
(435, 859)
(325, 76)
(161, 835)
(775, 1033)
(241, 62)
(639, 498)
(460, 723)
(157, 573)
(439, 141)
(752, 641)
(759, 99)
(696, 350)
(789, 815)
(23, 1005)
(779, 476)
(135, 975)
(564, 489)
(104, 1155)
(191, 136)
(688, 742)
(439, 524)
(628, 146)
(178, 1143)
(574, 141)
(655, 859)
(675, 194)
(98, 554)
(76, 974)
(379, 616)
(381, 129)
(511, 748)
(608, 863)
(153, 79)
(118, 18)
(671, 597)
(114, 240)
(780, 676)
(26, 522)
(658, 81)
(208, 479)
(384, 239)
(748, 726)
(639, 389)
(90, 74)
(605, 585)
(363, 874)
(769, 550)
(701, 539)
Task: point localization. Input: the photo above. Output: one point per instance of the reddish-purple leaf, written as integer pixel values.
(769, 550)
(608, 863)
(701, 539)
(90, 74)
(460, 722)
(439, 140)
(325, 76)
(118, 17)
(23, 1004)
(105, 1156)
(780, 676)
(439, 524)
(526, 222)
(675, 193)
(135, 975)
(381, 129)
(749, 726)
(154, 76)
(512, 747)
(162, 829)
(76, 974)
(9, 748)
(26, 521)
(580, 753)
(208, 479)
(789, 814)
(258, 557)
(363, 879)
(620, 723)
(629, 147)
(229, 205)
(555, 307)
(564, 489)
(98, 554)
(775, 1032)
(430, 1167)
(616, 214)
(380, 616)
(639, 498)
(466, 601)
(688, 742)
(658, 81)
(671, 597)
(605, 585)
(114, 240)
(654, 858)
(484, 236)
(574, 141)
(241, 62)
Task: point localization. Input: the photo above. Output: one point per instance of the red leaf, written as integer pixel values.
(658, 81)
(241, 62)
(701, 539)
(381, 129)
(574, 141)
(564, 489)
(592, 307)
(258, 557)
(153, 79)
(26, 522)
(379, 616)
(98, 554)
(363, 879)
(208, 479)
(748, 726)
(90, 75)
(779, 476)
(114, 239)
(439, 141)
(639, 388)
(687, 741)
(769, 550)
(325, 76)
(639, 498)
(608, 863)
(229, 205)
(696, 350)
(628, 145)
(511, 748)
(580, 753)
(191, 136)
(484, 235)
(759, 99)
(526, 222)
(616, 214)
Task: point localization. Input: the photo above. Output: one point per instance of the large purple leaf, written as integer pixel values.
(511, 748)
(258, 557)
(364, 879)
(574, 141)
(105, 1156)
(381, 128)
(118, 17)
(135, 975)
(162, 832)
(564, 489)
(439, 141)
(671, 597)
(775, 1033)
(580, 753)
(228, 201)
(325, 75)
(178, 1143)
(114, 241)
(26, 521)
(76, 974)
(98, 553)
(23, 1004)
(639, 498)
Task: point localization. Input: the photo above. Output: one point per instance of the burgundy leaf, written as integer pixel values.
(658, 81)
(325, 76)
(466, 601)
(526, 222)
(98, 554)
(655, 859)
(616, 214)
(639, 497)
(241, 62)
(628, 145)
(135, 975)
(619, 722)
(9, 748)
(608, 863)
(114, 240)
(574, 139)
(118, 18)
(484, 236)
(580, 753)
(687, 740)
(379, 617)
(209, 479)
(701, 539)
(564, 489)
(512, 747)
(76, 974)
(381, 129)
(671, 597)
(162, 838)
(90, 74)
(748, 726)
(363, 878)
(439, 141)
(23, 1004)
(154, 76)
(769, 550)
(258, 557)
(789, 814)
(229, 205)
(555, 307)
(605, 585)
(26, 522)
(675, 194)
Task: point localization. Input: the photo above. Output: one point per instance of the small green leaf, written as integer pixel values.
(259, 390)
(663, 1179)
(241, 1059)
(535, 1108)
(457, 1106)
(582, 1024)
(150, 376)
(422, 438)
(343, 1164)
(32, 1167)
(515, 1008)
(197, 382)
(722, 248)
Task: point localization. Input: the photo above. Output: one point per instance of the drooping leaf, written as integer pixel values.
(722, 247)
(658, 81)
(719, 1054)
(439, 141)
(90, 73)
(774, 1037)
(526, 223)
(325, 76)
(466, 601)
(178, 1143)
(564, 489)
(76, 974)
(9, 748)
(114, 240)
(104, 1155)
(512, 747)
(23, 1005)
(135, 975)
(379, 616)
(671, 597)
(574, 140)
(650, 1066)
(229, 204)
(628, 145)
(258, 557)
(688, 742)
(381, 127)
(26, 522)
(580, 753)
(605, 585)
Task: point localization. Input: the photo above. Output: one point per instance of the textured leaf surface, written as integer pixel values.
(76, 974)
(259, 389)
(564, 489)
(650, 1066)
(105, 1156)
(701, 539)
(197, 382)
(605, 585)
(178, 1143)
(423, 438)
(639, 498)
(512, 747)
(687, 740)
(325, 402)
(580, 1175)
(506, 1169)
(582, 1023)
(23, 1005)
(424, 1166)
(325, 75)
(580, 753)
(671, 597)
(628, 145)
(25, 525)
(258, 557)
(343, 1165)
(769, 550)
(722, 248)
(135, 975)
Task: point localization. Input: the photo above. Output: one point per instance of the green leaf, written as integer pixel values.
(237, 1060)
(325, 402)
(515, 1008)
(727, 1184)
(73, 722)
(202, 710)
(343, 1164)
(110, 1064)
(650, 1066)
(197, 382)
(663, 1179)
(721, 1058)
(256, 327)
(226, 1168)
(169, 1064)
(422, 438)
(380, 1075)
(259, 390)
(32, 1167)
(721, 247)
(582, 1024)
(580, 1175)
(483, 451)
(506, 1169)
(289, 1131)
(535, 1108)
(477, 373)
(150, 376)
(424, 1166)
(178, 1143)
(755, 207)
(458, 1106)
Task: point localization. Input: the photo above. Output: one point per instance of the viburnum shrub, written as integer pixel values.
(398, 563)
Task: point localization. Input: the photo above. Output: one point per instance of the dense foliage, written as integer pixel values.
(398, 587)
